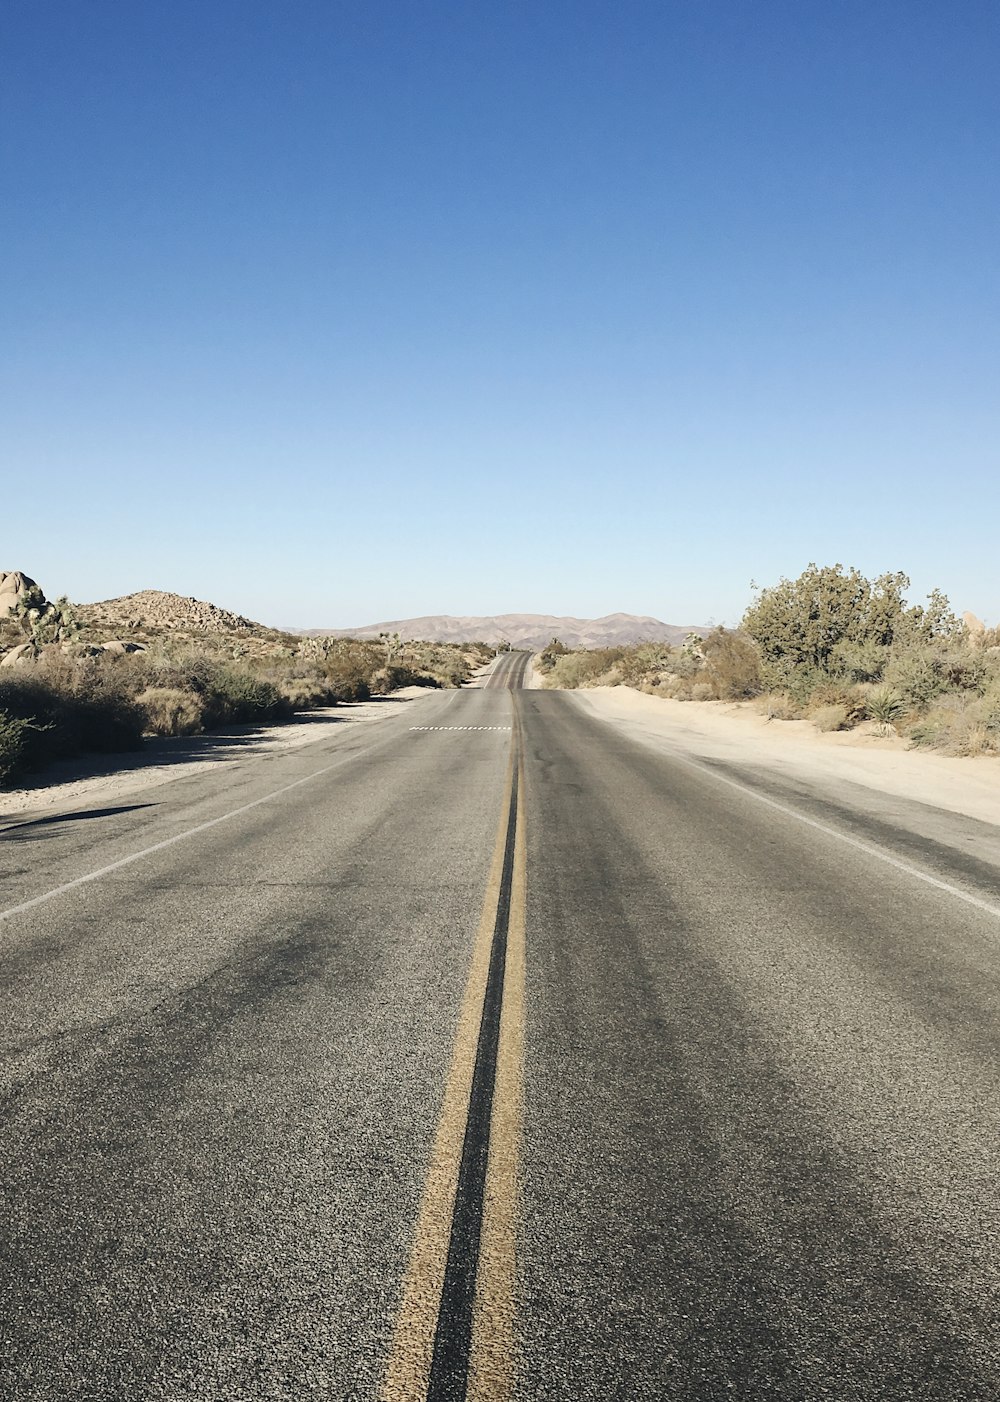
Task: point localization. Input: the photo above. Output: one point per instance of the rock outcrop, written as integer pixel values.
(13, 586)
(975, 629)
(156, 610)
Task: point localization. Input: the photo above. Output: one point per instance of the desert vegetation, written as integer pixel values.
(831, 647)
(66, 690)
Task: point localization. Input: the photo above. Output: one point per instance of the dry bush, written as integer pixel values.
(833, 717)
(779, 705)
(170, 711)
(852, 700)
(387, 679)
(959, 725)
(306, 693)
(703, 691)
(583, 668)
(732, 665)
(44, 721)
(641, 663)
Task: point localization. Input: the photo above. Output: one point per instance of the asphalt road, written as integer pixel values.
(727, 1128)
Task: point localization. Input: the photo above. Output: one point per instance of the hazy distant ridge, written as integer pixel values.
(532, 630)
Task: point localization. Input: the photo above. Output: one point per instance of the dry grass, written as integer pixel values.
(170, 711)
(828, 718)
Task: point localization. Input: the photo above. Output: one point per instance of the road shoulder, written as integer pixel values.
(722, 731)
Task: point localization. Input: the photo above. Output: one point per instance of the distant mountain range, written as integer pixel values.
(525, 630)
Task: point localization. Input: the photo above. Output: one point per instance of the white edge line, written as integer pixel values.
(167, 842)
(865, 847)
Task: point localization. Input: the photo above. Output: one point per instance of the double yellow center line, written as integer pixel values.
(454, 1336)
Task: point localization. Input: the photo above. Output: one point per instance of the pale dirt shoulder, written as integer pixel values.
(96, 780)
(736, 731)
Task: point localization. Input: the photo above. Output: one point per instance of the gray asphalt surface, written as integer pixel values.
(760, 1153)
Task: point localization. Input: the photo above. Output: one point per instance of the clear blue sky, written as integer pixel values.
(332, 312)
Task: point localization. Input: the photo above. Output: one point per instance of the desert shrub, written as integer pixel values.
(862, 661)
(852, 700)
(348, 679)
(917, 676)
(684, 663)
(14, 737)
(442, 665)
(170, 711)
(451, 673)
(797, 681)
(549, 655)
(60, 723)
(805, 621)
(779, 705)
(884, 704)
(386, 679)
(638, 665)
(830, 717)
(584, 668)
(703, 691)
(235, 697)
(958, 725)
(965, 669)
(306, 693)
(732, 665)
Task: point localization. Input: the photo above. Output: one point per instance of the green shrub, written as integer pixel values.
(884, 705)
(14, 736)
(916, 676)
(806, 621)
(862, 661)
(235, 697)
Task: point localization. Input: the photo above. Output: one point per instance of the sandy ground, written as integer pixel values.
(737, 732)
(94, 780)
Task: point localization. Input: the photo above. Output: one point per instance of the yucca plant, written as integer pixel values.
(884, 704)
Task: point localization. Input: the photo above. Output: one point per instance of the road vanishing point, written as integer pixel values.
(488, 1052)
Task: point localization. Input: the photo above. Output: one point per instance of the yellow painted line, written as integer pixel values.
(493, 1354)
(408, 1368)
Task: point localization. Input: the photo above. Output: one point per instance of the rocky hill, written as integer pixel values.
(157, 611)
(526, 630)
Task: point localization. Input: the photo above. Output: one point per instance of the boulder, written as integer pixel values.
(974, 628)
(12, 585)
(26, 652)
